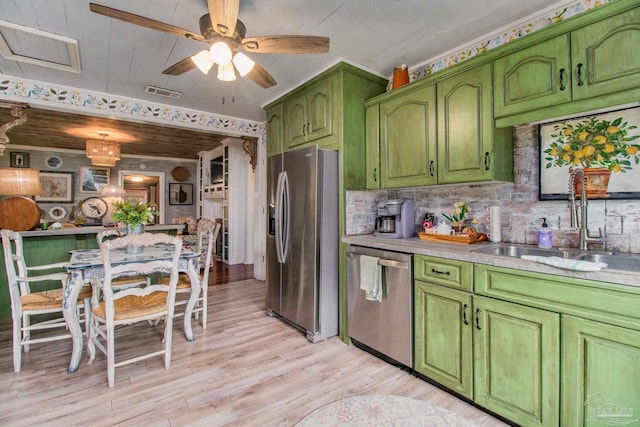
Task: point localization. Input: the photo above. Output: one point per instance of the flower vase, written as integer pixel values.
(133, 229)
(457, 226)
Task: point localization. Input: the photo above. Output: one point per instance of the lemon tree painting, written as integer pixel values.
(610, 141)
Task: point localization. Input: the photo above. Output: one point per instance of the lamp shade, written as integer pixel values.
(112, 190)
(19, 182)
(243, 63)
(226, 73)
(103, 152)
(221, 53)
(108, 162)
(203, 61)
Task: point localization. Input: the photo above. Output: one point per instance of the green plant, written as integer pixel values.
(460, 209)
(594, 143)
(131, 211)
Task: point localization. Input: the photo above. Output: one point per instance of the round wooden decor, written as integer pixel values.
(19, 214)
(180, 173)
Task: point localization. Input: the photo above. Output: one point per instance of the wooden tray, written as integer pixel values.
(458, 238)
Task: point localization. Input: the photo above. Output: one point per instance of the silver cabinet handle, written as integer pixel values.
(385, 262)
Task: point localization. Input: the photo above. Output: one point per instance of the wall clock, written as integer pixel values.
(94, 207)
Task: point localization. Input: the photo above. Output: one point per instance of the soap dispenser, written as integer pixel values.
(544, 235)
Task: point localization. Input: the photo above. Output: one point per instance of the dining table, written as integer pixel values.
(86, 266)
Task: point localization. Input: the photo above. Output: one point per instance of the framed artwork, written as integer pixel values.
(608, 141)
(19, 160)
(53, 162)
(93, 180)
(56, 187)
(180, 194)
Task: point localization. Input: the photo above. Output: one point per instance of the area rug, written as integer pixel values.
(381, 410)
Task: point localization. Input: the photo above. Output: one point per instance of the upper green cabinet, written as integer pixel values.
(408, 139)
(309, 114)
(470, 149)
(275, 129)
(531, 78)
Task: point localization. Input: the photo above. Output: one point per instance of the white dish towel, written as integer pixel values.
(567, 264)
(371, 277)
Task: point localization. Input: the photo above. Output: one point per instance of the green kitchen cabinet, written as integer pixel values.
(535, 77)
(600, 374)
(275, 129)
(372, 137)
(309, 114)
(443, 336)
(470, 149)
(408, 139)
(517, 361)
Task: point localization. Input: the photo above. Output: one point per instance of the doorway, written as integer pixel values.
(145, 186)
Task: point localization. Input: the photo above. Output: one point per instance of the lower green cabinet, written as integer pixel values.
(443, 336)
(517, 361)
(600, 374)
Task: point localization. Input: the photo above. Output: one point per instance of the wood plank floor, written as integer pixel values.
(245, 369)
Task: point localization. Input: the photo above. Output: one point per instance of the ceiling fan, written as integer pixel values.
(225, 33)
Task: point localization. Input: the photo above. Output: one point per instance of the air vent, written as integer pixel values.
(167, 93)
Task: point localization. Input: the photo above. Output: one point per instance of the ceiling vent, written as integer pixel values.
(24, 44)
(167, 93)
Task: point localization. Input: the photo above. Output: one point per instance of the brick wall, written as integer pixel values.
(520, 208)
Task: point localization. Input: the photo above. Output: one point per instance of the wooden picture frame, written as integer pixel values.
(180, 194)
(93, 180)
(19, 159)
(56, 187)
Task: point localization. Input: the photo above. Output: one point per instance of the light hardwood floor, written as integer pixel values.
(245, 369)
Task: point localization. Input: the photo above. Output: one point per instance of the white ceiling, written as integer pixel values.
(121, 58)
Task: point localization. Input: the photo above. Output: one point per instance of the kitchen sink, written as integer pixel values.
(614, 261)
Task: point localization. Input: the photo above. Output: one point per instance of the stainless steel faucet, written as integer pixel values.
(585, 237)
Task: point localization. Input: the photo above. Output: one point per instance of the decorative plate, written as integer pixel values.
(94, 207)
(180, 173)
(53, 162)
(57, 212)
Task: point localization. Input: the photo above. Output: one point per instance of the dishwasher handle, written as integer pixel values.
(386, 262)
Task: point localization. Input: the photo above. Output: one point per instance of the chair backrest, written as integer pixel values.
(14, 265)
(171, 246)
(101, 236)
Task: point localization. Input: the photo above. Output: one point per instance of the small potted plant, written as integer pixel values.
(597, 146)
(134, 214)
(460, 209)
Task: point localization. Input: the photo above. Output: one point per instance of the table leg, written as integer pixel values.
(194, 278)
(70, 313)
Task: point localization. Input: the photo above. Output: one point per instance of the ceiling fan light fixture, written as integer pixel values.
(220, 53)
(203, 60)
(243, 63)
(226, 73)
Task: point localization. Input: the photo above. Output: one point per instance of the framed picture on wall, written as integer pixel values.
(56, 187)
(180, 194)
(19, 160)
(93, 180)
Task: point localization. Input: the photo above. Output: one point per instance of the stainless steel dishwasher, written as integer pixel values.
(385, 326)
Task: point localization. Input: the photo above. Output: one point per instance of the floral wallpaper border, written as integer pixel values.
(503, 37)
(34, 92)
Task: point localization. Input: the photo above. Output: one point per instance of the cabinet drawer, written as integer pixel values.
(445, 272)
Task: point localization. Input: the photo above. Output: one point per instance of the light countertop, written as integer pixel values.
(92, 230)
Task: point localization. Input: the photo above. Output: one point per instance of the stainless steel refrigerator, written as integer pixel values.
(302, 240)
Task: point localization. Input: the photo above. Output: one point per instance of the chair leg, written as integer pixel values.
(87, 316)
(91, 345)
(26, 334)
(17, 343)
(205, 291)
(168, 334)
(111, 357)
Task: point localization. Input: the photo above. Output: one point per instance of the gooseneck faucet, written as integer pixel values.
(585, 237)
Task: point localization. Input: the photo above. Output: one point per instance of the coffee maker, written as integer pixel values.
(395, 219)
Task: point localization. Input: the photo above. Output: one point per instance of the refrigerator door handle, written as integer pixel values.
(287, 215)
(278, 223)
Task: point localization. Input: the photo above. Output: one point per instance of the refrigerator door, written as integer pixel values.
(274, 273)
(300, 241)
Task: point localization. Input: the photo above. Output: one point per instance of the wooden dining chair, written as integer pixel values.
(207, 235)
(134, 304)
(121, 282)
(27, 302)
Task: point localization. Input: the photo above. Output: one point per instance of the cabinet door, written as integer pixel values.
(517, 361)
(319, 123)
(600, 374)
(275, 136)
(296, 121)
(605, 56)
(532, 78)
(372, 137)
(408, 139)
(443, 336)
(465, 123)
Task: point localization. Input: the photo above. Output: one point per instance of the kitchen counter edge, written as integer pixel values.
(93, 230)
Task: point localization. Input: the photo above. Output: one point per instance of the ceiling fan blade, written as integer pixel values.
(144, 22)
(224, 14)
(286, 44)
(260, 76)
(180, 67)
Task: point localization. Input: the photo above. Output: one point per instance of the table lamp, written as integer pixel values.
(19, 213)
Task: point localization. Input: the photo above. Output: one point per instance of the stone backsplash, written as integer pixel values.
(520, 209)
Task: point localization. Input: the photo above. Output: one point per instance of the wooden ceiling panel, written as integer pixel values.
(55, 129)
